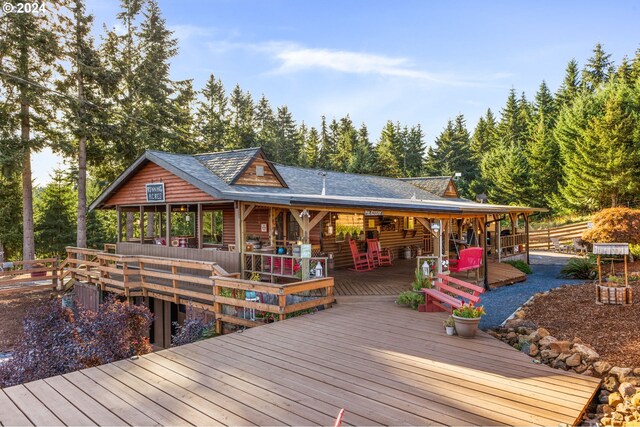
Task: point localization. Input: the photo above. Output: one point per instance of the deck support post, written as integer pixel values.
(199, 228)
(119, 223)
(526, 232)
(168, 224)
(142, 230)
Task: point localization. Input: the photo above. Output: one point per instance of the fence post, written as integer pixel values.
(217, 307)
(282, 304)
(54, 274)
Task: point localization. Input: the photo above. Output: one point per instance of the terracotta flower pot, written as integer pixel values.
(465, 327)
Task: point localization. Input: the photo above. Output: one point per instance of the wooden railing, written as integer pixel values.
(541, 239)
(201, 284)
(510, 245)
(274, 266)
(280, 299)
(28, 272)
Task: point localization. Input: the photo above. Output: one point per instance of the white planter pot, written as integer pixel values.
(450, 330)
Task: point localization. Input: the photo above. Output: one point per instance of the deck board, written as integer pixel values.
(386, 365)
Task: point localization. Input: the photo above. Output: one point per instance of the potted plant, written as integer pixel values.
(449, 325)
(466, 319)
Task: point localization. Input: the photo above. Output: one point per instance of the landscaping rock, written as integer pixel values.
(606, 421)
(636, 372)
(626, 389)
(620, 373)
(607, 410)
(560, 346)
(574, 360)
(542, 332)
(544, 342)
(635, 399)
(512, 336)
(587, 353)
(615, 399)
(559, 364)
(610, 383)
(525, 347)
(533, 350)
(588, 373)
(601, 367)
(580, 369)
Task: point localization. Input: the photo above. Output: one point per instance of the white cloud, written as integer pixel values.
(293, 58)
(184, 32)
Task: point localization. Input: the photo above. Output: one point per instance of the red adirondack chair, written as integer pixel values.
(470, 259)
(361, 260)
(378, 256)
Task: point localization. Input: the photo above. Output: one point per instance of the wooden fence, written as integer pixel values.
(201, 284)
(541, 239)
(18, 274)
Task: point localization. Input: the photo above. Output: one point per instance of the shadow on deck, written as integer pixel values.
(390, 281)
(385, 365)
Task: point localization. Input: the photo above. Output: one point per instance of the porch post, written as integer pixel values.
(168, 224)
(498, 241)
(485, 258)
(119, 223)
(236, 226)
(526, 232)
(142, 230)
(440, 246)
(199, 228)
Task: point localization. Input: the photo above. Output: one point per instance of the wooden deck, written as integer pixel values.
(385, 365)
(390, 281)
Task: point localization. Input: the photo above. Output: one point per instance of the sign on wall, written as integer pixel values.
(368, 212)
(305, 251)
(155, 192)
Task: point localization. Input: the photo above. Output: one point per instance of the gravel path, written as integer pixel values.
(502, 302)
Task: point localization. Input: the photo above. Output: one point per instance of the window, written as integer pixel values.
(212, 227)
(259, 170)
(349, 223)
(409, 223)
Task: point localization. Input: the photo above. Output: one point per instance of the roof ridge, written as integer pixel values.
(337, 172)
(228, 151)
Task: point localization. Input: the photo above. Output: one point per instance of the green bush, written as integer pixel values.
(579, 268)
(410, 298)
(520, 265)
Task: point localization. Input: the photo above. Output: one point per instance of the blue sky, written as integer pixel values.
(417, 62)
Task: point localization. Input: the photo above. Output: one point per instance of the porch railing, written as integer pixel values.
(511, 244)
(274, 266)
(201, 284)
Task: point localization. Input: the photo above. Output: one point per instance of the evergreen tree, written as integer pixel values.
(212, 121)
(55, 219)
(241, 132)
(635, 67)
(570, 87)
(86, 83)
(600, 145)
(326, 146)
(311, 149)
(386, 160)
(182, 137)
(415, 146)
(288, 143)
(506, 171)
(345, 143)
(363, 160)
(512, 128)
(485, 136)
(29, 46)
(10, 216)
(597, 70)
(265, 128)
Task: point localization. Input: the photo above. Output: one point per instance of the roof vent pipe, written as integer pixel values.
(324, 183)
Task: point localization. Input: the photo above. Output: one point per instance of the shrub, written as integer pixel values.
(420, 281)
(57, 340)
(520, 265)
(612, 225)
(194, 328)
(579, 268)
(410, 298)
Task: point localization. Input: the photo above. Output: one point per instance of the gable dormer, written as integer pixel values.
(259, 172)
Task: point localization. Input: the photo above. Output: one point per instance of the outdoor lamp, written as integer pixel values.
(425, 269)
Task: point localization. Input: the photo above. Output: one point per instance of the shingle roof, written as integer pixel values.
(215, 173)
(228, 164)
(433, 184)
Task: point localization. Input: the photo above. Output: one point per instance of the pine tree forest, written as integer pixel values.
(102, 102)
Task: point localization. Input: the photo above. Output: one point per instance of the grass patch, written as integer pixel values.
(520, 265)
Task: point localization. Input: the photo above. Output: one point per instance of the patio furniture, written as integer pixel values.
(439, 297)
(559, 247)
(470, 259)
(361, 261)
(377, 255)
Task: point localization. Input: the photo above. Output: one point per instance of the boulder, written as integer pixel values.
(533, 350)
(635, 399)
(601, 367)
(560, 346)
(615, 399)
(547, 354)
(587, 353)
(525, 347)
(542, 332)
(559, 364)
(610, 383)
(574, 360)
(544, 342)
(626, 389)
(636, 372)
(620, 373)
(580, 368)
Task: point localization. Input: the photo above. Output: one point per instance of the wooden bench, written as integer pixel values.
(445, 297)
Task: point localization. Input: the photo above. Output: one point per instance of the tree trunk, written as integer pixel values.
(81, 240)
(28, 244)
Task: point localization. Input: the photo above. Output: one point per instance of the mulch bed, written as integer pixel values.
(13, 308)
(612, 330)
